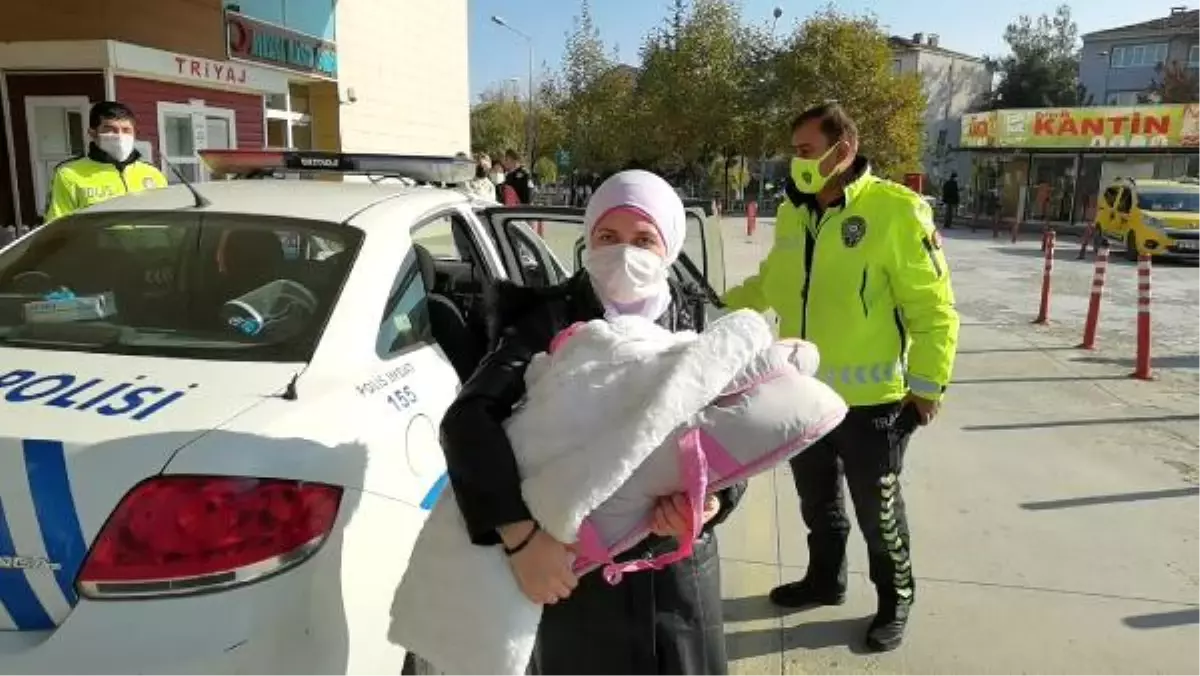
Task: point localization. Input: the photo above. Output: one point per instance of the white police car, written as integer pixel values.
(219, 411)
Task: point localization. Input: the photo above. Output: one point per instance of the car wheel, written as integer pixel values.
(1131, 250)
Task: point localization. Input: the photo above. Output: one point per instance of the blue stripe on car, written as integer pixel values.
(435, 491)
(16, 595)
(46, 465)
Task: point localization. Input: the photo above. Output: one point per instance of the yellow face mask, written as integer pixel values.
(806, 173)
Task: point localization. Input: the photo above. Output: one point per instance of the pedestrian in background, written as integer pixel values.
(111, 166)
(482, 186)
(950, 198)
(517, 178)
(857, 269)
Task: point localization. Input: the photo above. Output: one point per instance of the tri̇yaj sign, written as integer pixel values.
(252, 40)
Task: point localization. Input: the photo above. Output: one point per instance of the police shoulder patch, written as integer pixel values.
(854, 228)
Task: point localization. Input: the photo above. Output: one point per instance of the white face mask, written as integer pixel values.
(623, 273)
(118, 146)
(498, 177)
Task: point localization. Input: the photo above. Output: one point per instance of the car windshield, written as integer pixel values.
(175, 284)
(1173, 201)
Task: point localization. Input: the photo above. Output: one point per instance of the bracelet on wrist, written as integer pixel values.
(516, 549)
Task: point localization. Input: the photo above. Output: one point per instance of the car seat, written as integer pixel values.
(446, 321)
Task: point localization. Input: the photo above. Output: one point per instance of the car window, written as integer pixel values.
(182, 284)
(1110, 196)
(534, 267)
(1172, 201)
(406, 316)
(1125, 203)
(437, 236)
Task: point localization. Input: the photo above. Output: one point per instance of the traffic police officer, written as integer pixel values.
(111, 166)
(857, 269)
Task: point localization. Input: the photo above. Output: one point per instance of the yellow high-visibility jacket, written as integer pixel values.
(83, 181)
(867, 282)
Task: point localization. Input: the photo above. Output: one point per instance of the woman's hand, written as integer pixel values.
(542, 567)
(671, 514)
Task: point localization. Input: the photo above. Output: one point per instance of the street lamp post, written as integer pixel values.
(530, 120)
(762, 167)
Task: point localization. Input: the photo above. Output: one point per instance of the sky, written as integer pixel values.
(498, 55)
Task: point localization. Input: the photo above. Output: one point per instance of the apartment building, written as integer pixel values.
(198, 74)
(953, 82)
(1117, 65)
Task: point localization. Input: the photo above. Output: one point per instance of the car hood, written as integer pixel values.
(77, 431)
(1176, 220)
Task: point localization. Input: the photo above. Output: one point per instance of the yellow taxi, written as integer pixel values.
(1157, 217)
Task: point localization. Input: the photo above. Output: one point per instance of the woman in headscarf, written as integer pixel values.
(660, 622)
(481, 186)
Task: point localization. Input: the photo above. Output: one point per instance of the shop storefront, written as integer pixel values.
(1050, 165)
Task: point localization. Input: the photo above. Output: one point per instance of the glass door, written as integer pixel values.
(185, 130)
(57, 127)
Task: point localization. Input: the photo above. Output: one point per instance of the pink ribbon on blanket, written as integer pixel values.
(693, 467)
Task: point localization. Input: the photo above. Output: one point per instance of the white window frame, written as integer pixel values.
(1157, 54)
(197, 111)
(289, 116)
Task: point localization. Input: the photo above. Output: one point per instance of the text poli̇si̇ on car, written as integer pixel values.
(219, 410)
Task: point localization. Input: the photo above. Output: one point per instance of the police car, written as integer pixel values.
(219, 408)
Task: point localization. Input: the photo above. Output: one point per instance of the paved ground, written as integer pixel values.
(1053, 505)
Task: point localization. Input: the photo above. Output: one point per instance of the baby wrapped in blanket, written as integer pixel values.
(619, 413)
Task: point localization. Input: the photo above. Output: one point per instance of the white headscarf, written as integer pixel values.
(654, 198)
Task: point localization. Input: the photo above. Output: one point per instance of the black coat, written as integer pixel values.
(661, 622)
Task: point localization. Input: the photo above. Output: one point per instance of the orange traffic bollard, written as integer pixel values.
(1142, 363)
(1044, 308)
(751, 218)
(1093, 315)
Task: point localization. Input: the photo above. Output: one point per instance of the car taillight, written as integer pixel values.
(186, 534)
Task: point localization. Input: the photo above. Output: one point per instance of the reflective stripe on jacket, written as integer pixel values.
(874, 294)
(84, 181)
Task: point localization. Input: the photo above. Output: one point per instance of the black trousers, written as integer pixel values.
(652, 622)
(868, 450)
(951, 208)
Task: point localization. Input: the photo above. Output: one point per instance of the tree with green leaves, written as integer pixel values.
(498, 122)
(1041, 69)
(598, 98)
(843, 57)
(1173, 83)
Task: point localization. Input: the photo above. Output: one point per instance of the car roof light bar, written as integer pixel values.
(258, 163)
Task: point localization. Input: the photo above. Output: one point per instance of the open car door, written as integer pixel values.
(543, 245)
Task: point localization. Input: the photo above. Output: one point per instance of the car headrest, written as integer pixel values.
(246, 249)
(425, 265)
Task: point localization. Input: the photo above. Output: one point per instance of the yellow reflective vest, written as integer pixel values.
(83, 181)
(867, 282)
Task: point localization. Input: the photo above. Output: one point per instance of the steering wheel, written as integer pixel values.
(32, 281)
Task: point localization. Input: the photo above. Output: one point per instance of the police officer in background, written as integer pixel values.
(111, 166)
(857, 269)
(517, 178)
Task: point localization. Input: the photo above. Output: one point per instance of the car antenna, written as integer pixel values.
(289, 393)
(200, 200)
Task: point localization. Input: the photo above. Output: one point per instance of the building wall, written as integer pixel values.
(407, 65)
(953, 85)
(143, 97)
(1097, 75)
(22, 85)
(188, 26)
